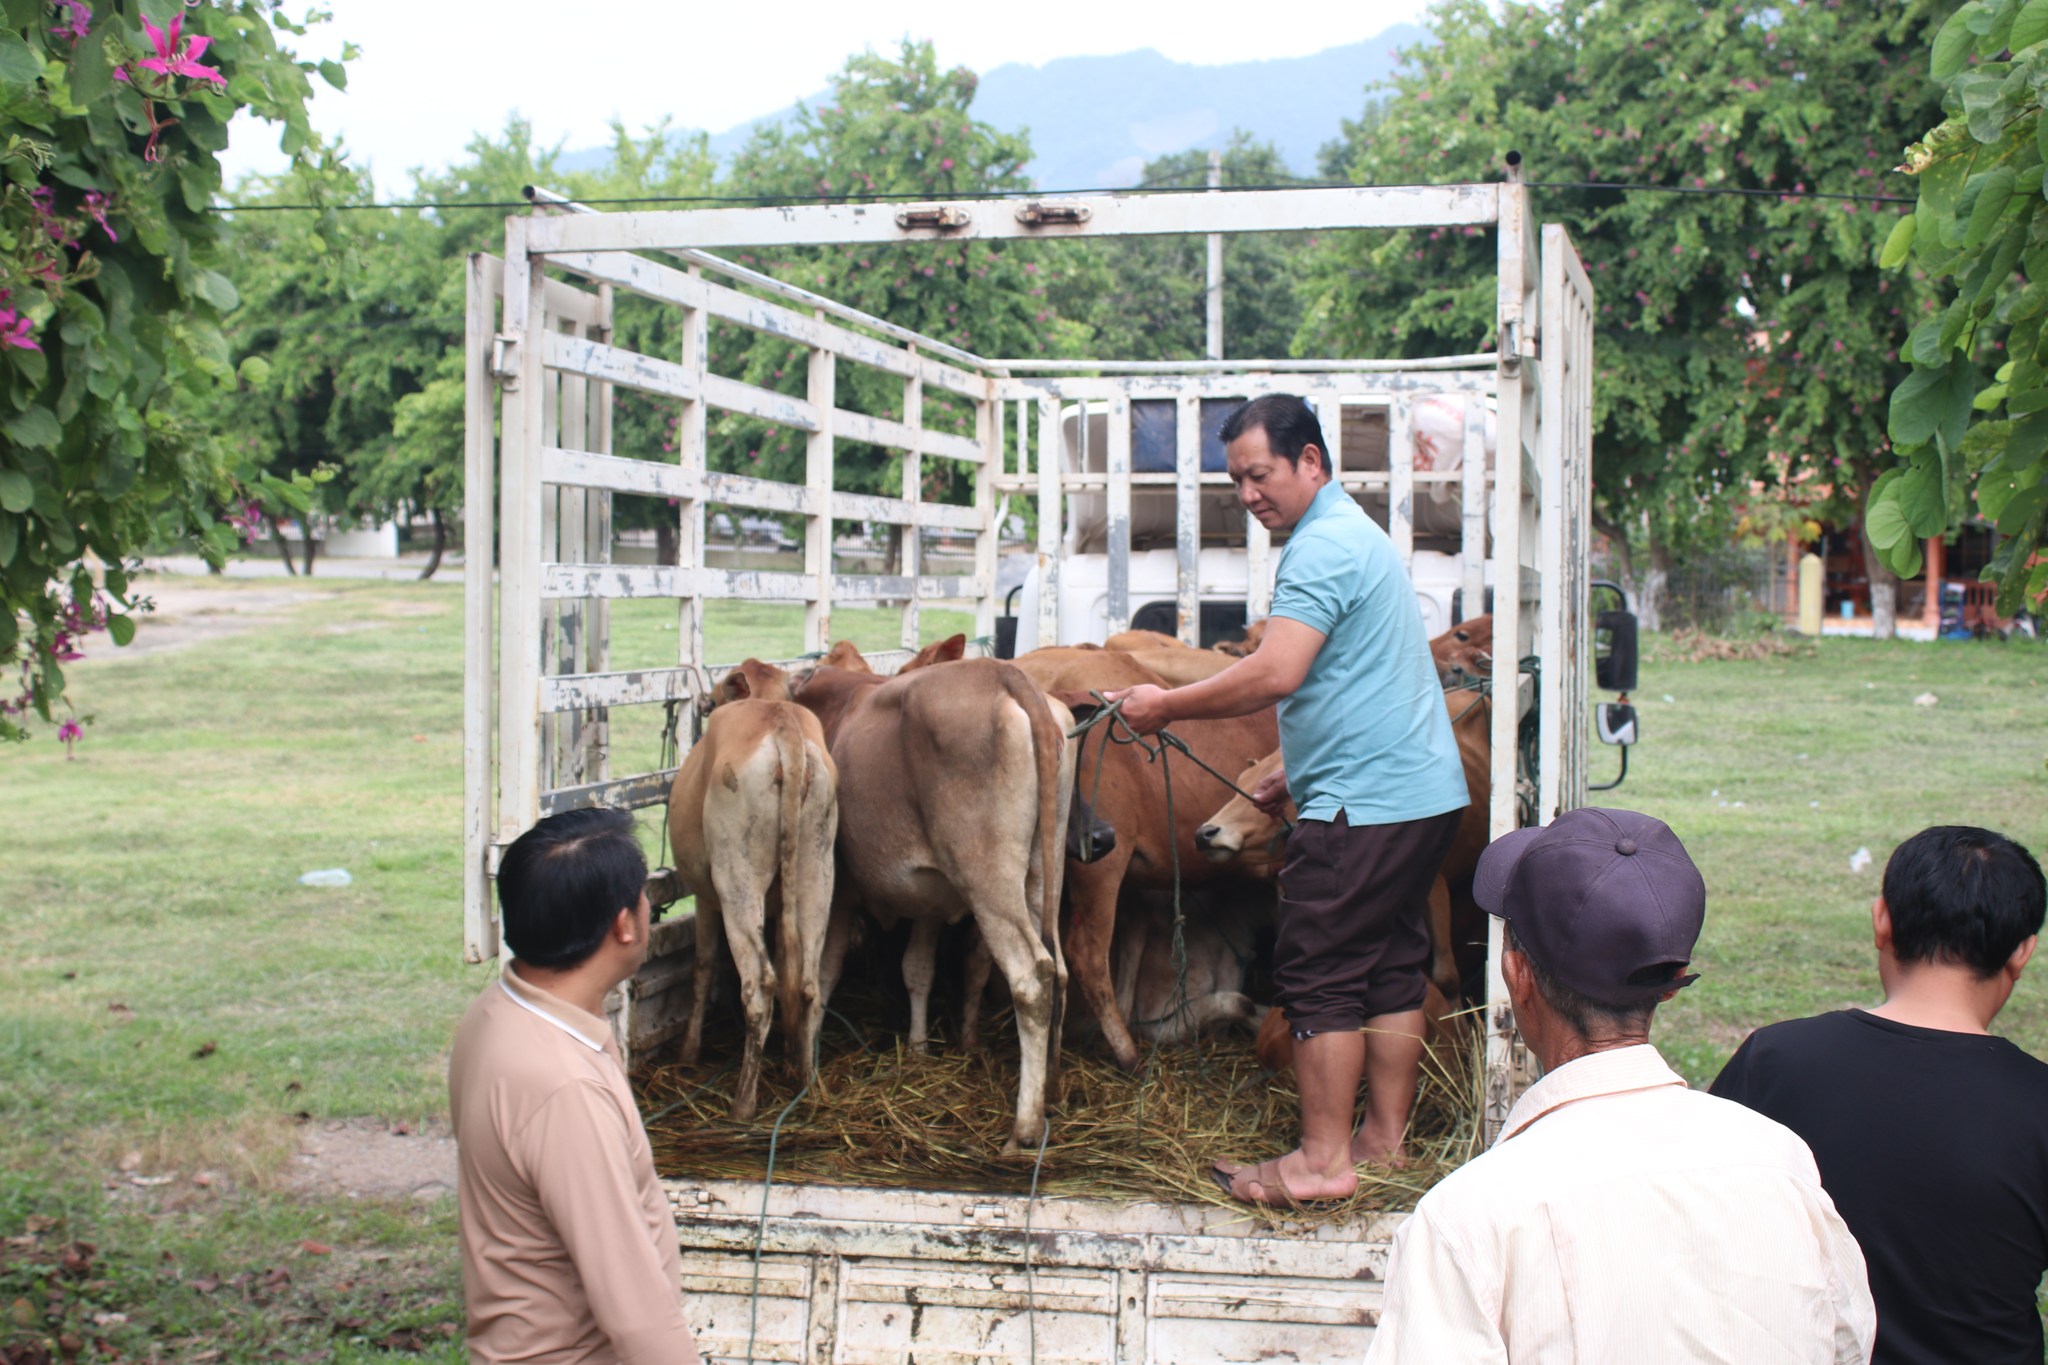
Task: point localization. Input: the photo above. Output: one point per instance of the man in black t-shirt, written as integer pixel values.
(1930, 1134)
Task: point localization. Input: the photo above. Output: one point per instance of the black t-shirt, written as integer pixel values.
(1934, 1147)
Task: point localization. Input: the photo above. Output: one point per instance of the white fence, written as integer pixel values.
(540, 326)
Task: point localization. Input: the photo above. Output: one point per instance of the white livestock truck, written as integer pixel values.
(821, 1273)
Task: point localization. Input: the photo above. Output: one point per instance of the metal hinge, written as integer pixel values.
(505, 359)
(938, 217)
(983, 1215)
(1040, 212)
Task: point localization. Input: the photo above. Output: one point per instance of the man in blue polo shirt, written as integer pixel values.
(1368, 754)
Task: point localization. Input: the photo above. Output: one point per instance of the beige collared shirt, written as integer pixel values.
(1623, 1219)
(569, 1250)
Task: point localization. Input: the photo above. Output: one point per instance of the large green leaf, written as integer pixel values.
(19, 64)
(2030, 26)
(1920, 500)
(1884, 521)
(17, 491)
(1953, 43)
(1900, 240)
(10, 539)
(2015, 515)
(37, 427)
(122, 628)
(1992, 192)
(1931, 402)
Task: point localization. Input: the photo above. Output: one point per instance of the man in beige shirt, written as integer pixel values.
(569, 1250)
(1621, 1218)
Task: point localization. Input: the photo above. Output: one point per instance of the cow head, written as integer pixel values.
(949, 650)
(1465, 651)
(1253, 633)
(845, 654)
(1240, 825)
(752, 680)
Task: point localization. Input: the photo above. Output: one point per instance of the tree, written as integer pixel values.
(892, 127)
(1743, 338)
(1981, 225)
(1145, 298)
(111, 294)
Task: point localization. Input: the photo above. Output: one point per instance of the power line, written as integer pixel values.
(764, 201)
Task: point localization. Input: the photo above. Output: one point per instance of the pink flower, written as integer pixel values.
(78, 21)
(947, 164)
(97, 205)
(14, 331)
(70, 733)
(171, 60)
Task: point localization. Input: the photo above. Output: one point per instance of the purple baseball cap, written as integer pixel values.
(1602, 899)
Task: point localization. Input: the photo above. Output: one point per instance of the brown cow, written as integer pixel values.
(751, 817)
(1465, 651)
(1237, 649)
(952, 800)
(1181, 666)
(1130, 641)
(1131, 797)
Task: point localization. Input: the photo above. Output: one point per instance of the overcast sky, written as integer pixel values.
(434, 72)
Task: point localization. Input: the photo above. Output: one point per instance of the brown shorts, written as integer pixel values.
(1353, 940)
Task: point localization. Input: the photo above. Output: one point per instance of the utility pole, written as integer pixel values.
(1214, 347)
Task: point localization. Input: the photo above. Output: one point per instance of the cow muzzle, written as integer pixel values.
(1218, 844)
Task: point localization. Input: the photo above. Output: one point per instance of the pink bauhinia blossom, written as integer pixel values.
(171, 60)
(70, 732)
(77, 21)
(97, 205)
(14, 331)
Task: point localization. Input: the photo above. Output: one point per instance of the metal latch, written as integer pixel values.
(505, 359)
(983, 1215)
(1040, 212)
(696, 1197)
(938, 217)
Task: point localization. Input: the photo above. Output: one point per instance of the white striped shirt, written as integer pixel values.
(1624, 1219)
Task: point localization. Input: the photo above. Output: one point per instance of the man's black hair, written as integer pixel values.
(1289, 423)
(1962, 895)
(563, 882)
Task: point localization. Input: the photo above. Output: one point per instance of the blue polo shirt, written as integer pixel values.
(1366, 733)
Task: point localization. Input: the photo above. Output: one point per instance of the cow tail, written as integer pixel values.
(1046, 741)
(793, 759)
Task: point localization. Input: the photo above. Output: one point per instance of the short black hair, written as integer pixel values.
(1289, 422)
(1963, 896)
(563, 882)
(1588, 1017)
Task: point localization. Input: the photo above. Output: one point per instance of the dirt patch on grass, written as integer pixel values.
(188, 612)
(373, 1159)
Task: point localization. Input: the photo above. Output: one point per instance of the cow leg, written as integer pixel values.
(741, 890)
(1093, 891)
(1028, 968)
(710, 940)
(919, 967)
(1443, 966)
(979, 964)
(841, 933)
(809, 905)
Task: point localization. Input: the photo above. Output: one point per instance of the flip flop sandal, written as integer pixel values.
(1267, 1178)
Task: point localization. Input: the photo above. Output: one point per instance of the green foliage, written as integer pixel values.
(111, 295)
(1144, 298)
(893, 127)
(1981, 225)
(1739, 338)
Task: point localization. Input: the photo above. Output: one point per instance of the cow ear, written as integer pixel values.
(737, 685)
(950, 650)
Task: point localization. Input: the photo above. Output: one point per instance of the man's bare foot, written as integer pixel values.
(1286, 1180)
(1369, 1149)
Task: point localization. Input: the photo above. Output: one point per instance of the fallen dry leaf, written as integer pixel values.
(39, 1223)
(312, 1248)
(122, 1014)
(293, 1087)
(205, 1050)
(206, 1284)
(401, 1130)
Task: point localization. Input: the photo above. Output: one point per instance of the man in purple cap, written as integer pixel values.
(1621, 1217)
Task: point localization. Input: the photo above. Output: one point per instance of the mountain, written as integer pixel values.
(1095, 121)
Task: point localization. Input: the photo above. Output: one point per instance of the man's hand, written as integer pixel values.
(1144, 707)
(1270, 795)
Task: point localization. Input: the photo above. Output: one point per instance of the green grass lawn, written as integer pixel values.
(157, 871)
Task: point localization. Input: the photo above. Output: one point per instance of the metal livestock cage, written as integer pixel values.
(540, 688)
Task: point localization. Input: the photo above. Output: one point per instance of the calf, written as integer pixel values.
(752, 817)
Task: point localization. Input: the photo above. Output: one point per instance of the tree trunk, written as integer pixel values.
(1625, 557)
(284, 551)
(440, 544)
(1650, 606)
(308, 524)
(1884, 584)
(668, 543)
